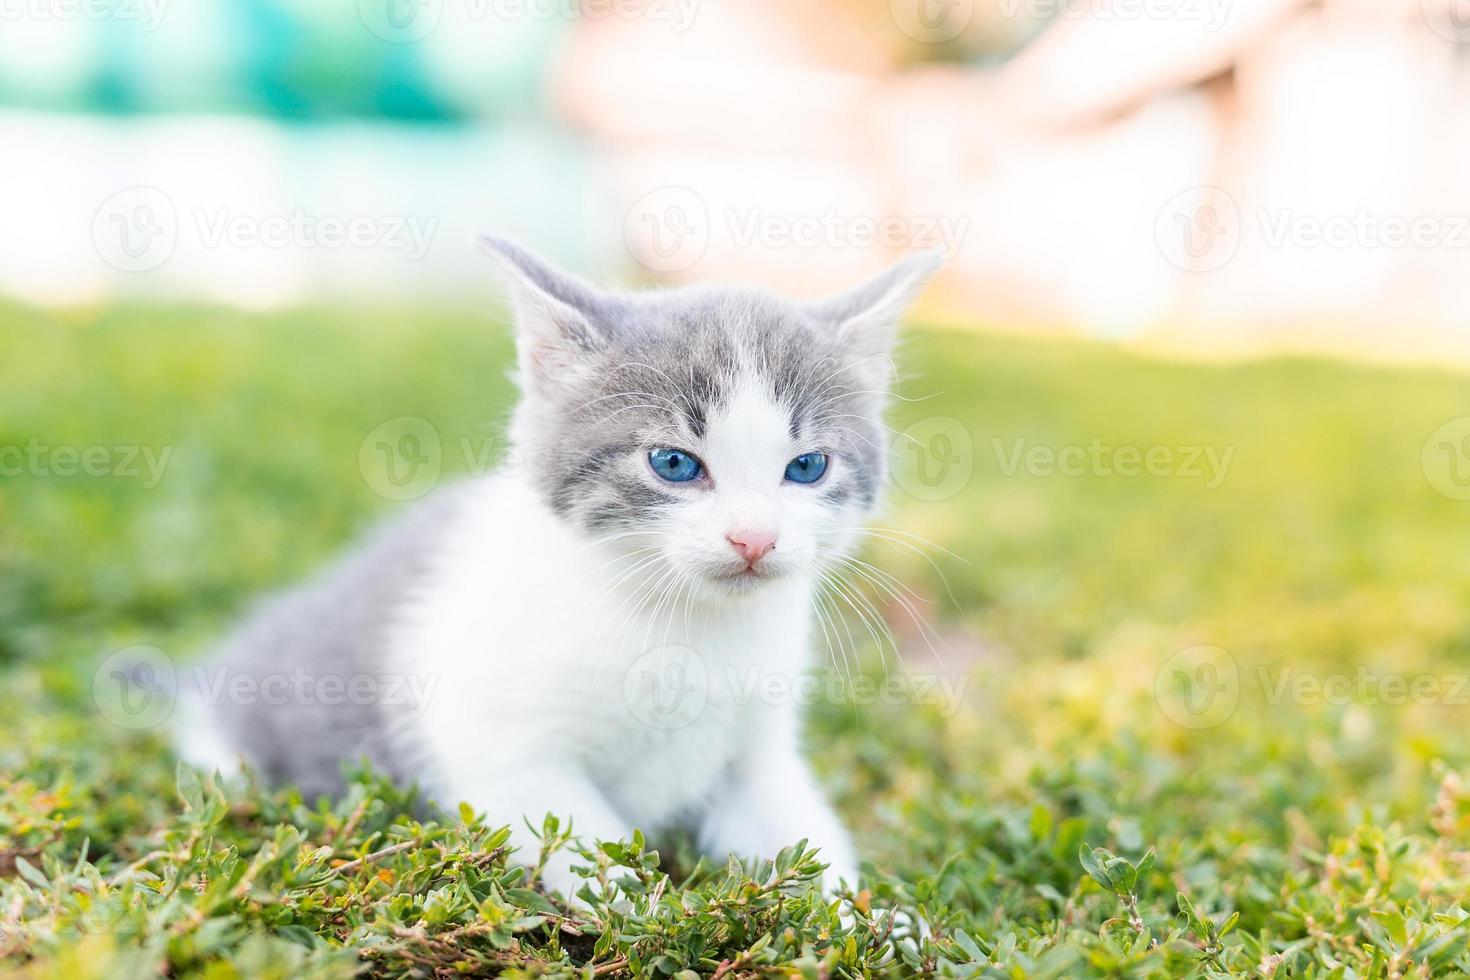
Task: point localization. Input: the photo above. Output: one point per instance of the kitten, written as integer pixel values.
(604, 629)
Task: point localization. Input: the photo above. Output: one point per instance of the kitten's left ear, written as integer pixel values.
(866, 317)
(559, 318)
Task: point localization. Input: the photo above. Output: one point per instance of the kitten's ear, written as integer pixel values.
(559, 318)
(866, 317)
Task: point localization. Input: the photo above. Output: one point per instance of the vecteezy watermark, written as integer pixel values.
(1210, 464)
(1210, 13)
(1364, 686)
(832, 229)
(669, 229)
(1445, 458)
(672, 686)
(404, 458)
(148, 14)
(932, 21)
(138, 229)
(667, 688)
(1198, 687)
(407, 21)
(401, 459)
(1198, 230)
(299, 228)
(306, 688)
(942, 691)
(37, 459)
(138, 688)
(1363, 229)
(934, 458)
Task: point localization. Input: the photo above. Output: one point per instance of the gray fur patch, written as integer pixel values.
(667, 364)
(322, 638)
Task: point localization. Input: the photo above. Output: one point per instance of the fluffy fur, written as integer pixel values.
(574, 634)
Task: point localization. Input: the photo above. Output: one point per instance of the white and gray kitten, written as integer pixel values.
(589, 632)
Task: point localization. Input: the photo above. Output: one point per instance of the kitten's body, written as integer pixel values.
(574, 634)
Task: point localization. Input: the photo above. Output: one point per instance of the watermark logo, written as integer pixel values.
(147, 13)
(1209, 13)
(300, 228)
(401, 459)
(932, 21)
(307, 688)
(1198, 687)
(672, 686)
(1445, 458)
(943, 692)
(1364, 687)
(136, 229)
(404, 458)
(936, 458)
(409, 21)
(138, 687)
(139, 229)
(1209, 464)
(1198, 230)
(1363, 229)
(37, 459)
(135, 688)
(667, 688)
(667, 230)
(400, 21)
(831, 229)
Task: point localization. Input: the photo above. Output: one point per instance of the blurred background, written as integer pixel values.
(1208, 176)
(1175, 540)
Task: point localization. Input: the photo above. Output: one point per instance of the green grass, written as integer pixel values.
(1271, 830)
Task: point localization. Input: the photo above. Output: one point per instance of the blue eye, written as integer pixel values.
(807, 468)
(675, 465)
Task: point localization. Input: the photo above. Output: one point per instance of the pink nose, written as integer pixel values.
(752, 545)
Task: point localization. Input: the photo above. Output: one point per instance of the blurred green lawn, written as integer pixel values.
(1333, 825)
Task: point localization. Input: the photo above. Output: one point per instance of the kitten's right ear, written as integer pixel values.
(559, 318)
(867, 315)
(865, 318)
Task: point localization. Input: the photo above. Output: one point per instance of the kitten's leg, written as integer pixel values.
(520, 797)
(771, 801)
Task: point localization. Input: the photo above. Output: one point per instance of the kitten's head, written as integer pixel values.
(725, 435)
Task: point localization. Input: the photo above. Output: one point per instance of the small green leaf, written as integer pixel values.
(1146, 864)
(1092, 863)
(190, 789)
(1121, 873)
(30, 873)
(527, 898)
(1041, 822)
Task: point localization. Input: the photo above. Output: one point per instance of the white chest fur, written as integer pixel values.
(539, 659)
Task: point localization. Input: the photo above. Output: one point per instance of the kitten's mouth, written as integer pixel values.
(744, 578)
